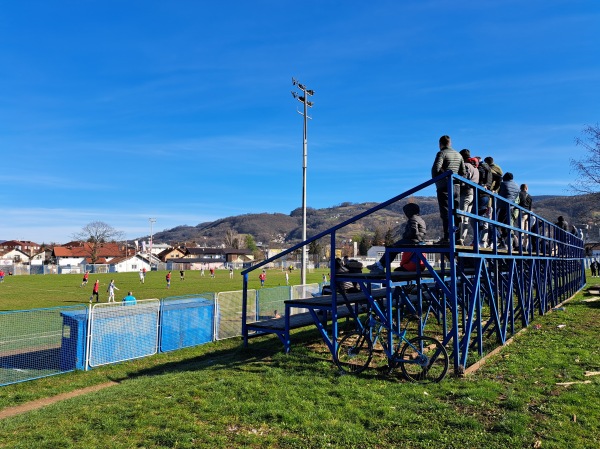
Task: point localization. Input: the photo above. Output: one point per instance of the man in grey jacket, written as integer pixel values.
(447, 159)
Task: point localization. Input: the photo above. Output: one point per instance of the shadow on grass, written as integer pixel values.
(265, 350)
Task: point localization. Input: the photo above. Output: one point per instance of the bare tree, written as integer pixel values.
(231, 239)
(95, 234)
(588, 168)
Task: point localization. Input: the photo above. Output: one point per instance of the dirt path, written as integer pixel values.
(34, 405)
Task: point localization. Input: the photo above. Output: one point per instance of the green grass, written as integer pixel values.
(38, 291)
(224, 395)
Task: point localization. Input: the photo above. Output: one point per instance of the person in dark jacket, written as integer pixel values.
(447, 159)
(562, 223)
(510, 190)
(497, 173)
(525, 201)
(485, 203)
(485, 173)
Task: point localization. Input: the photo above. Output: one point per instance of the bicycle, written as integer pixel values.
(421, 359)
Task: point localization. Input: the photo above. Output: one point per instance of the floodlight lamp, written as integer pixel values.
(294, 81)
(310, 92)
(302, 86)
(294, 94)
(309, 104)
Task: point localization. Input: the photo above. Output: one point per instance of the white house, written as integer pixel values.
(38, 259)
(130, 263)
(15, 255)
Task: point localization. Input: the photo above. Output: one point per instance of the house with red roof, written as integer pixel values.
(77, 253)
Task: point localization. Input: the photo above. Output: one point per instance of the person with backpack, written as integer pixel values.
(497, 174)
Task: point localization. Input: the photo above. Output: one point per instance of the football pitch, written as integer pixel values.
(52, 290)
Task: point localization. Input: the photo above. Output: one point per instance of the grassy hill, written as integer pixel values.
(274, 229)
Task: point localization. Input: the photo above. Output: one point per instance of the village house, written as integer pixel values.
(170, 254)
(214, 257)
(15, 255)
(26, 246)
(77, 253)
(129, 263)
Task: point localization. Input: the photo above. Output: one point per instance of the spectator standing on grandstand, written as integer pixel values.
(525, 201)
(263, 277)
(95, 291)
(168, 279)
(447, 159)
(509, 190)
(466, 192)
(181, 275)
(414, 234)
(111, 290)
(484, 200)
(562, 223)
(497, 173)
(129, 300)
(142, 276)
(85, 279)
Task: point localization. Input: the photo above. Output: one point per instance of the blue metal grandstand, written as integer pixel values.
(473, 299)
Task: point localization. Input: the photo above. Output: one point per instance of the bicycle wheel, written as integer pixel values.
(354, 353)
(424, 359)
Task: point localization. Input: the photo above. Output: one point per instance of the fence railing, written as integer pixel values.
(44, 342)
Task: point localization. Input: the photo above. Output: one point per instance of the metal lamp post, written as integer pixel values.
(307, 104)
(152, 221)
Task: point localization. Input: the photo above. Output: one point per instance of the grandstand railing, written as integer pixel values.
(475, 293)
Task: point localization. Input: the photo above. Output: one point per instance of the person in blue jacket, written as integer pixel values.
(129, 300)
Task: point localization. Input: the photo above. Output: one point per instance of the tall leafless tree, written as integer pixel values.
(588, 168)
(95, 234)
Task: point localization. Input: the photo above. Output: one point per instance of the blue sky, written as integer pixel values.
(123, 110)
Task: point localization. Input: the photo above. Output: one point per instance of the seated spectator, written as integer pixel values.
(414, 234)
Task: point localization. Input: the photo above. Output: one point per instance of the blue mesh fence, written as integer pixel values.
(121, 332)
(186, 321)
(44, 342)
(31, 344)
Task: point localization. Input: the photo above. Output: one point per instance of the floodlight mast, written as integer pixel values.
(152, 221)
(307, 104)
